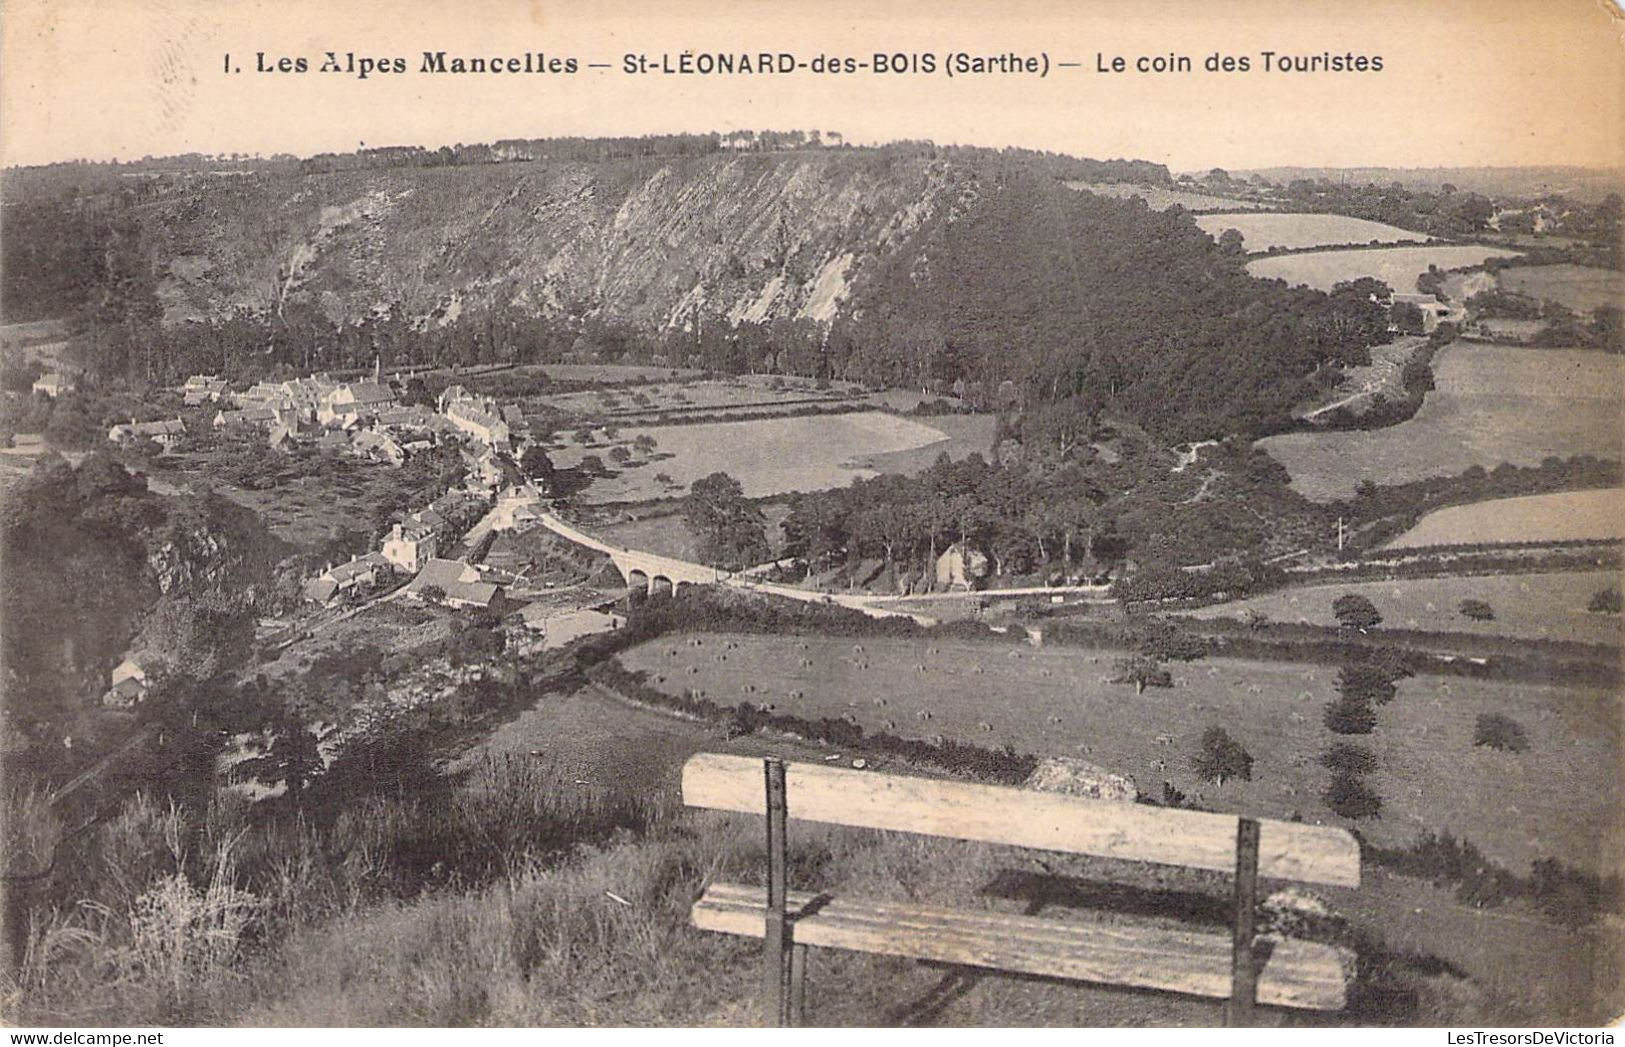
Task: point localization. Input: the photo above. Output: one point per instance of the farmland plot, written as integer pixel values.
(1559, 799)
(1263, 230)
(767, 456)
(1565, 516)
(1398, 267)
(1580, 288)
(1492, 404)
(1160, 199)
(1533, 606)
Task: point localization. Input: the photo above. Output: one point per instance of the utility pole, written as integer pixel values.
(1339, 534)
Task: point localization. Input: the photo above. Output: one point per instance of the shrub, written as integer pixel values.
(1605, 601)
(1477, 610)
(1349, 797)
(1356, 612)
(1346, 758)
(1366, 682)
(1500, 732)
(1221, 756)
(1350, 716)
(1142, 672)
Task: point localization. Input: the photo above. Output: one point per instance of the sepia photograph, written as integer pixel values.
(869, 515)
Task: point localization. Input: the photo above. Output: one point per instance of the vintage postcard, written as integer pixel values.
(861, 514)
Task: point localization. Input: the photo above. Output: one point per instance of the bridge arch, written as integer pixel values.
(660, 584)
(637, 580)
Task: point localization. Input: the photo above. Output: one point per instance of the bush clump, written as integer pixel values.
(1349, 715)
(1221, 756)
(1347, 758)
(1500, 732)
(1477, 610)
(1605, 601)
(1350, 797)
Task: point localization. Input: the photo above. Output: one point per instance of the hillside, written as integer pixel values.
(906, 265)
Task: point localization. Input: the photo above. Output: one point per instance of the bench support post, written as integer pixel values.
(1238, 1009)
(777, 978)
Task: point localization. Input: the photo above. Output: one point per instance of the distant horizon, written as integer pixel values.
(241, 155)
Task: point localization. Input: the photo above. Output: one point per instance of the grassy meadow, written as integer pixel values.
(1562, 796)
(1398, 267)
(1261, 231)
(1528, 606)
(1491, 404)
(1563, 516)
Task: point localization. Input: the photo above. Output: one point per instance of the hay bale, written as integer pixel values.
(1073, 777)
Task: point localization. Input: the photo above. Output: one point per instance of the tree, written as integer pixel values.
(1356, 612)
(1367, 682)
(1350, 716)
(620, 455)
(1221, 756)
(732, 531)
(1605, 601)
(1349, 797)
(1232, 242)
(1346, 758)
(1142, 672)
(535, 464)
(1477, 610)
(1500, 732)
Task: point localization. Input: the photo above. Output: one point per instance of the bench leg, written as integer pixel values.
(777, 960)
(798, 985)
(1238, 1010)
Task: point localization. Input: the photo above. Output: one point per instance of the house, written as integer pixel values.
(1434, 312)
(416, 418)
(127, 685)
(452, 582)
(561, 626)
(410, 545)
(471, 417)
(358, 399)
(959, 566)
(369, 443)
(361, 572)
(452, 394)
(488, 470)
(282, 438)
(248, 416)
(163, 433)
(53, 384)
(202, 389)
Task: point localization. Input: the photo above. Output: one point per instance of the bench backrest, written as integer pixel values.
(1024, 818)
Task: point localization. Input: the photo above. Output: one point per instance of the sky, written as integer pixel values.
(1464, 82)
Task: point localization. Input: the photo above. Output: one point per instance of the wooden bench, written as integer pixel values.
(1187, 959)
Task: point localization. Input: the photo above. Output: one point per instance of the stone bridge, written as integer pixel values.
(648, 571)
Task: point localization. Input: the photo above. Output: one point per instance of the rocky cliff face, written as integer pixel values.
(656, 242)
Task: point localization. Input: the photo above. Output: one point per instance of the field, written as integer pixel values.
(1566, 516)
(964, 435)
(1160, 199)
(1492, 404)
(694, 397)
(1580, 288)
(1398, 267)
(1559, 799)
(1262, 231)
(767, 456)
(1534, 606)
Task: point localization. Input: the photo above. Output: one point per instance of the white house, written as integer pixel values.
(163, 433)
(359, 399)
(410, 546)
(458, 583)
(346, 578)
(474, 419)
(53, 384)
(203, 388)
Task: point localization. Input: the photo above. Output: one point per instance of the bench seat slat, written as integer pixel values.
(1297, 974)
(1024, 818)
